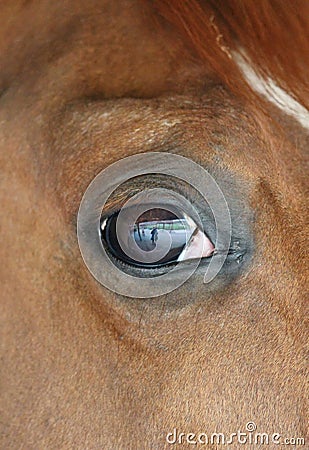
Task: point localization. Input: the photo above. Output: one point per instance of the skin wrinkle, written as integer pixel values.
(81, 367)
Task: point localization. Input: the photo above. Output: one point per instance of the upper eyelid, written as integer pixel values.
(117, 209)
(137, 185)
(110, 210)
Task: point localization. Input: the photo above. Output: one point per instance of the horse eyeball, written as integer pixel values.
(155, 238)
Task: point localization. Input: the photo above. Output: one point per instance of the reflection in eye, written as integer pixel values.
(157, 237)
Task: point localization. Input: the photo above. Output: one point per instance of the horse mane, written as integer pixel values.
(271, 36)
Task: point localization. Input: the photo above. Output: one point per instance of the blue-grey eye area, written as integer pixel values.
(155, 232)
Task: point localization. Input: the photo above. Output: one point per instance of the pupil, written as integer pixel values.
(148, 233)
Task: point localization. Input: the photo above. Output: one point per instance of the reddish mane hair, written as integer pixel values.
(273, 36)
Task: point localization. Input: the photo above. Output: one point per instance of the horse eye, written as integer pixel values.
(155, 238)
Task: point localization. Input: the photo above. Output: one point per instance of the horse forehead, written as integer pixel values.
(116, 49)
